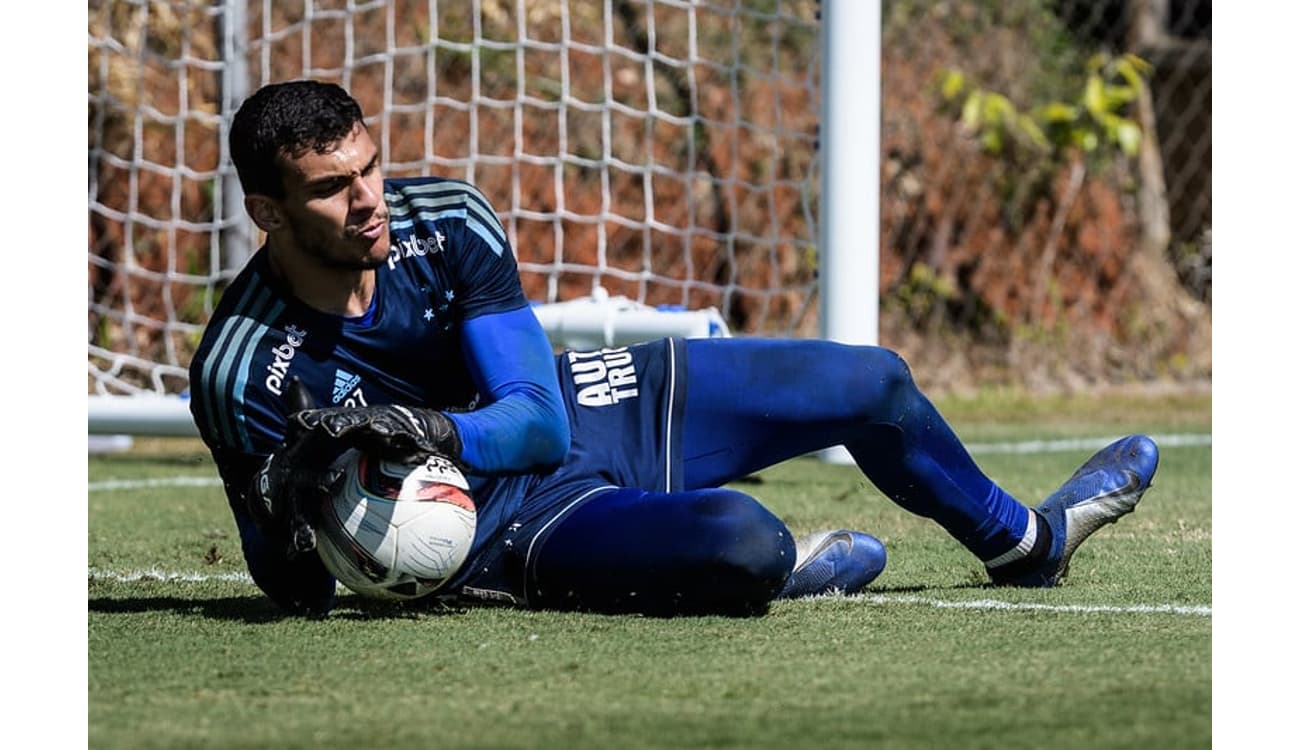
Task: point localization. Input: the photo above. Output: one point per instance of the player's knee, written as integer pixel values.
(754, 551)
(886, 386)
(888, 369)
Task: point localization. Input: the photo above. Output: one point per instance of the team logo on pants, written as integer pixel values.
(603, 377)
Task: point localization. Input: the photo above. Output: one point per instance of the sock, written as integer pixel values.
(1029, 553)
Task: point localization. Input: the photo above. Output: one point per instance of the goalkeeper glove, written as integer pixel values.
(296, 479)
(293, 480)
(402, 434)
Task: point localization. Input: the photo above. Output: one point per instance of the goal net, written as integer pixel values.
(657, 153)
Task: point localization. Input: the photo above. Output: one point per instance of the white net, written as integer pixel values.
(660, 150)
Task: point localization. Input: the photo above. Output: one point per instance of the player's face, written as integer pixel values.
(334, 204)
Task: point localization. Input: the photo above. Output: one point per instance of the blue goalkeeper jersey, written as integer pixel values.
(450, 262)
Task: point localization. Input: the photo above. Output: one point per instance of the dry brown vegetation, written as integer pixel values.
(1057, 291)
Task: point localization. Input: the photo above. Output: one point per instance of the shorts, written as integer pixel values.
(625, 407)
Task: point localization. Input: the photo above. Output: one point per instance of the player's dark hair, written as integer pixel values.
(287, 118)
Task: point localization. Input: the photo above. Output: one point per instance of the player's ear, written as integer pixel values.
(265, 212)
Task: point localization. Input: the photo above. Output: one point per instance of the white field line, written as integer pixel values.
(1058, 446)
(1028, 446)
(156, 574)
(994, 604)
(140, 484)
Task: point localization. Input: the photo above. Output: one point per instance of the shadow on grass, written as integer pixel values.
(194, 460)
(259, 609)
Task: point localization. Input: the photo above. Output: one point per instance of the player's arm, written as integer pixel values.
(272, 473)
(523, 423)
(298, 583)
(521, 426)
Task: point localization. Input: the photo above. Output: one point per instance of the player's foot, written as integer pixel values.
(843, 561)
(1107, 487)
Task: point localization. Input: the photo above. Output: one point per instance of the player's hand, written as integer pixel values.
(295, 481)
(394, 433)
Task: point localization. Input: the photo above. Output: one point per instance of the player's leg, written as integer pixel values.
(752, 403)
(629, 550)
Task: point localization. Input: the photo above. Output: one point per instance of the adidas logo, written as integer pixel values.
(344, 382)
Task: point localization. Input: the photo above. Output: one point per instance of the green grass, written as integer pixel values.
(1104, 661)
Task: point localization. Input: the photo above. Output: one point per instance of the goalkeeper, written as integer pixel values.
(388, 315)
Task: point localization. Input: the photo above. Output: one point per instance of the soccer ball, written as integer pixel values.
(393, 531)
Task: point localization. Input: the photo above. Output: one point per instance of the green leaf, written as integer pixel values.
(1059, 112)
(1139, 65)
(972, 110)
(1110, 122)
(1132, 72)
(1117, 96)
(997, 109)
(992, 141)
(1031, 130)
(1093, 98)
(953, 84)
(1129, 136)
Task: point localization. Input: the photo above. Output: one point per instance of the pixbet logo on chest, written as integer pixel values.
(415, 246)
(603, 377)
(278, 370)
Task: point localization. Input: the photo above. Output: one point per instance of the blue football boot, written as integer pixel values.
(843, 561)
(1107, 487)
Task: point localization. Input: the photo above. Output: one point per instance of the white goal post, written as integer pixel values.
(663, 167)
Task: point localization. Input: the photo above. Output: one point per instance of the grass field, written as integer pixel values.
(184, 652)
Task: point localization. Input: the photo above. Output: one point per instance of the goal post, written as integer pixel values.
(656, 163)
(850, 186)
